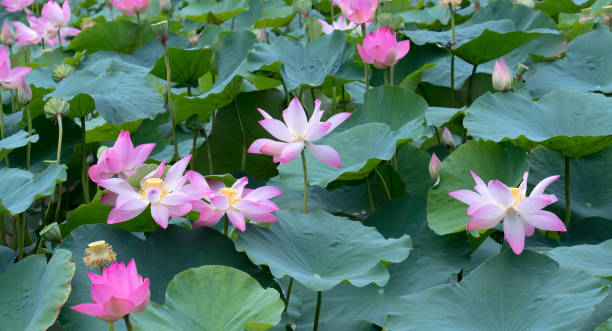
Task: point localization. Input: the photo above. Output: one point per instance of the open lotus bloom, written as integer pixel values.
(298, 132)
(358, 11)
(132, 7)
(236, 202)
(520, 213)
(56, 15)
(340, 24)
(502, 76)
(26, 35)
(381, 48)
(121, 160)
(10, 78)
(119, 291)
(168, 196)
(17, 5)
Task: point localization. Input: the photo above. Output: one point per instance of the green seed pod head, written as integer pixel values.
(51, 232)
(56, 106)
(61, 71)
(194, 123)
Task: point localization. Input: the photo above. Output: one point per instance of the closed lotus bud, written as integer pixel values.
(87, 23)
(434, 166)
(447, 138)
(502, 76)
(55, 107)
(261, 35)
(61, 71)
(193, 37)
(303, 7)
(51, 232)
(24, 93)
(101, 151)
(165, 6)
(7, 36)
(194, 123)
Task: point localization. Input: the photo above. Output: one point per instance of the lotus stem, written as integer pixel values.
(84, 177)
(194, 149)
(59, 37)
(343, 98)
(170, 104)
(126, 319)
(189, 90)
(452, 46)
(363, 32)
(2, 136)
(242, 138)
(263, 12)
(20, 229)
(305, 182)
(226, 226)
(568, 209)
(111, 326)
(382, 179)
(391, 74)
(386, 78)
(469, 101)
(60, 134)
(139, 30)
(58, 206)
(315, 327)
(29, 149)
(286, 93)
(13, 102)
(452, 75)
(369, 190)
(288, 295)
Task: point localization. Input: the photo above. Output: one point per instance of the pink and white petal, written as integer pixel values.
(219, 202)
(544, 220)
(177, 198)
(240, 184)
(124, 148)
(118, 306)
(90, 309)
(325, 27)
(263, 193)
(97, 174)
(365, 56)
(175, 173)
(277, 129)
(120, 187)
(477, 205)
(256, 146)
(476, 223)
(542, 185)
(141, 153)
(266, 218)
(179, 210)
(295, 118)
(529, 229)
(523, 187)
(208, 217)
(264, 114)
(273, 148)
(514, 232)
(127, 203)
(402, 48)
(157, 173)
(253, 207)
(317, 131)
(237, 218)
(465, 196)
(325, 154)
(337, 120)
(160, 214)
(290, 152)
(140, 295)
(532, 204)
(118, 216)
(488, 212)
(500, 193)
(480, 186)
(215, 184)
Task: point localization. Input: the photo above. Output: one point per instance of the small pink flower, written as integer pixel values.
(298, 132)
(502, 76)
(236, 202)
(521, 214)
(359, 11)
(340, 24)
(169, 196)
(56, 15)
(10, 78)
(434, 166)
(26, 35)
(121, 160)
(119, 291)
(447, 138)
(17, 5)
(382, 49)
(132, 7)
(7, 36)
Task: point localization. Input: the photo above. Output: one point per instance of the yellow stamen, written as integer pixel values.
(98, 254)
(517, 196)
(153, 182)
(231, 194)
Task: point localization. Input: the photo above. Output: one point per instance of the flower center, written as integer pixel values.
(231, 194)
(517, 196)
(153, 189)
(153, 182)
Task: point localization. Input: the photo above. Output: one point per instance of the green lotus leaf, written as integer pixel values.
(554, 7)
(187, 65)
(594, 259)
(15, 141)
(214, 12)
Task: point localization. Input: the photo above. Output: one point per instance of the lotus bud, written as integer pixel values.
(193, 37)
(55, 107)
(87, 23)
(61, 71)
(165, 6)
(502, 76)
(24, 93)
(194, 123)
(98, 254)
(434, 166)
(51, 232)
(7, 36)
(161, 31)
(447, 138)
(385, 20)
(261, 35)
(101, 151)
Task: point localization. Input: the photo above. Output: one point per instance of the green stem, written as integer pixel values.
(84, 177)
(29, 149)
(369, 190)
(13, 102)
(194, 149)
(452, 75)
(343, 98)
(189, 90)
(2, 232)
(126, 319)
(60, 134)
(305, 182)
(568, 209)
(383, 183)
(315, 327)
(452, 46)
(226, 227)
(286, 93)
(111, 326)
(288, 295)
(139, 30)
(470, 97)
(170, 104)
(58, 206)
(363, 32)
(452, 19)
(391, 75)
(59, 37)
(242, 138)
(20, 227)
(334, 99)
(385, 77)
(263, 12)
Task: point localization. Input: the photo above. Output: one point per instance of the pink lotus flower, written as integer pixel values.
(340, 24)
(10, 78)
(26, 35)
(132, 7)
(168, 196)
(121, 160)
(434, 166)
(236, 202)
(447, 138)
(119, 291)
(56, 15)
(297, 133)
(502, 76)
(359, 11)
(521, 213)
(7, 36)
(382, 49)
(17, 5)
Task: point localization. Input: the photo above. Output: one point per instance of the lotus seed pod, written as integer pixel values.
(56, 107)
(51, 232)
(303, 7)
(165, 6)
(61, 71)
(194, 123)
(87, 23)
